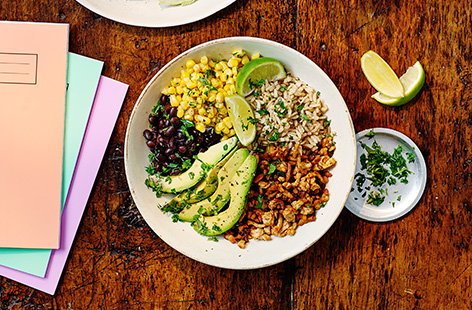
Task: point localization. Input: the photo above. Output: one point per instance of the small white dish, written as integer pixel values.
(401, 198)
(257, 254)
(148, 13)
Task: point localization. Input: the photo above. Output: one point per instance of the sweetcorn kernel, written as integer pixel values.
(255, 56)
(190, 63)
(180, 112)
(220, 98)
(245, 60)
(200, 127)
(227, 122)
(204, 60)
(233, 62)
(218, 67)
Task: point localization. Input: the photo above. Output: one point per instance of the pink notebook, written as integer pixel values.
(33, 64)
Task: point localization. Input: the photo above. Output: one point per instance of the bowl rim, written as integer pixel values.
(257, 40)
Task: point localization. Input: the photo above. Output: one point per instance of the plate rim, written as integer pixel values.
(90, 5)
(422, 162)
(350, 125)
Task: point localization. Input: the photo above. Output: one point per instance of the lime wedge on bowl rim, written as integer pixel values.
(264, 68)
(381, 76)
(241, 115)
(412, 81)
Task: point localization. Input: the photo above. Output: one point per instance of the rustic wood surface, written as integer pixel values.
(422, 261)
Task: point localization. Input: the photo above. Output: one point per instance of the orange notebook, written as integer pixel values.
(33, 64)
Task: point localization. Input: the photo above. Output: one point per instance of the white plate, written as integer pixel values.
(181, 236)
(401, 197)
(148, 13)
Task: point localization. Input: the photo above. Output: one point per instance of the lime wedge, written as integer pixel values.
(380, 75)
(241, 115)
(265, 68)
(412, 81)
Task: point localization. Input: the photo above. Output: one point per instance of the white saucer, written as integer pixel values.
(401, 198)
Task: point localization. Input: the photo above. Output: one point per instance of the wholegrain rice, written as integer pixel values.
(289, 112)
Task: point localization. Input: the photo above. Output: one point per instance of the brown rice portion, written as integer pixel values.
(289, 112)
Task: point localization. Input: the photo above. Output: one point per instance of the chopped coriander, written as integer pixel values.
(299, 107)
(375, 198)
(370, 134)
(282, 89)
(305, 118)
(275, 136)
(262, 112)
(272, 168)
(260, 202)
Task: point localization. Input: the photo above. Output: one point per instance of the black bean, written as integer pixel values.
(176, 171)
(169, 151)
(153, 120)
(164, 99)
(167, 122)
(151, 144)
(167, 108)
(173, 157)
(175, 121)
(168, 131)
(161, 157)
(182, 149)
(148, 134)
(162, 123)
(173, 112)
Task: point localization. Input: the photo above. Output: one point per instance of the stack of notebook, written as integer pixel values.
(57, 114)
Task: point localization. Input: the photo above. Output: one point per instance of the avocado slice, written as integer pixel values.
(222, 194)
(202, 190)
(239, 189)
(203, 163)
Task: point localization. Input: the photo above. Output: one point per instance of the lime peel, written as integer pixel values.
(264, 68)
(242, 117)
(412, 81)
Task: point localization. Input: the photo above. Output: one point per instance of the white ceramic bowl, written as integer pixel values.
(181, 236)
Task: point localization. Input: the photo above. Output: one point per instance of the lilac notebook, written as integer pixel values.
(106, 107)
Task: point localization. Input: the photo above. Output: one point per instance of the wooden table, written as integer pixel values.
(422, 261)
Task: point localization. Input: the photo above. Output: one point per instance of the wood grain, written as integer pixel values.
(422, 261)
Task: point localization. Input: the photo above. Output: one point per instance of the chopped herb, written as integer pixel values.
(411, 157)
(323, 204)
(305, 118)
(275, 136)
(257, 84)
(399, 197)
(245, 127)
(318, 94)
(253, 120)
(216, 228)
(214, 239)
(370, 134)
(326, 123)
(151, 170)
(282, 89)
(225, 147)
(257, 94)
(262, 112)
(186, 164)
(260, 202)
(191, 175)
(375, 198)
(299, 107)
(272, 168)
